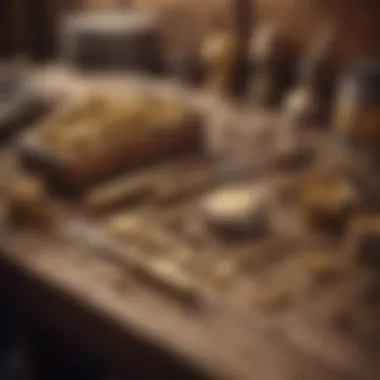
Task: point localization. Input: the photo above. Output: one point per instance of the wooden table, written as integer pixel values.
(96, 304)
(84, 299)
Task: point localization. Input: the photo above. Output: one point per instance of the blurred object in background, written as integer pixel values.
(310, 101)
(219, 57)
(33, 27)
(101, 146)
(357, 117)
(21, 104)
(244, 24)
(109, 40)
(272, 61)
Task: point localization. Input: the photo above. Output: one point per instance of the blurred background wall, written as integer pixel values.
(31, 26)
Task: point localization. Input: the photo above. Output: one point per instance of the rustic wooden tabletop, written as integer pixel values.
(73, 279)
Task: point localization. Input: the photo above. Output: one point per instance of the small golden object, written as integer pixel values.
(28, 203)
(219, 56)
(169, 279)
(271, 300)
(118, 193)
(124, 225)
(323, 267)
(326, 202)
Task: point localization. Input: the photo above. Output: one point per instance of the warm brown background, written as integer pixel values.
(31, 25)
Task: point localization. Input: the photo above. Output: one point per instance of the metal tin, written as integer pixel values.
(112, 40)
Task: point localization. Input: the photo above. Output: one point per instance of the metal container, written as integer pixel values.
(112, 40)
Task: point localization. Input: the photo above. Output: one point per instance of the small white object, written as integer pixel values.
(237, 209)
